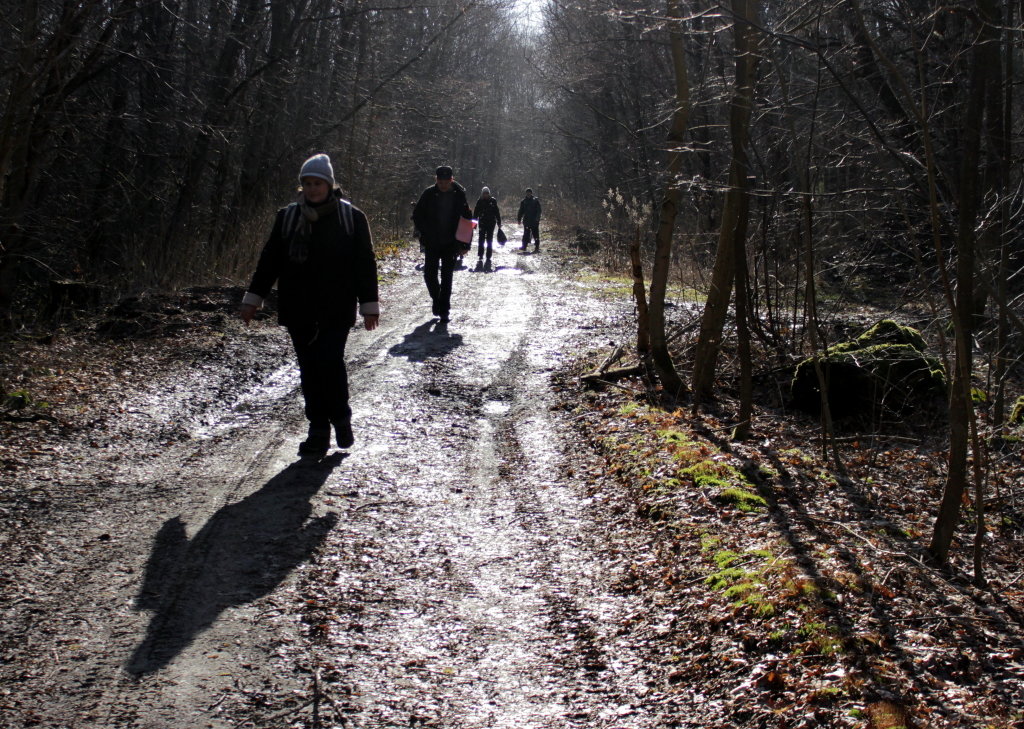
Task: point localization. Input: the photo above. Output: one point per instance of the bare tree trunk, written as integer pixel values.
(643, 333)
(746, 412)
(671, 382)
(999, 124)
(829, 446)
(736, 203)
(961, 411)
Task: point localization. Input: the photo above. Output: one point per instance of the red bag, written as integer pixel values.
(464, 234)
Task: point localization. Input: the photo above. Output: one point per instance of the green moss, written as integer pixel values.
(1003, 440)
(739, 590)
(762, 608)
(741, 586)
(722, 579)
(726, 558)
(728, 484)
(674, 437)
(896, 363)
(709, 542)
(823, 638)
(750, 579)
(829, 646)
(889, 332)
(629, 408)
(795, 454)
(18, 399)
(607, 285)
(844, 347)
(712, 474)
(743, 499)
(810, 629)
(1017, 414)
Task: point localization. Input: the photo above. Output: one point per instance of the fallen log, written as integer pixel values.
(611, 359)
(608, 376)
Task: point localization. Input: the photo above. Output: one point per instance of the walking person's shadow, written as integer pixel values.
(430, 339)
(242, 553)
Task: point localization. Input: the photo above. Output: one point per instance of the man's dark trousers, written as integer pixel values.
(486, 233)
(440, 291)
(531, 230)
(320, 350)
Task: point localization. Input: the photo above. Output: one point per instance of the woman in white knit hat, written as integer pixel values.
(320, 254)
(486, 211)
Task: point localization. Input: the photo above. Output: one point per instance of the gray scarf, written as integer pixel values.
(298, 246)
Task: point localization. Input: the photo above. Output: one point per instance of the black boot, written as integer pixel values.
(343, 433)
(318, 440)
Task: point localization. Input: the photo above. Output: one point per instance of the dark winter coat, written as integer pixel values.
(529, 211)
(438, 237)
(340, 270)
(486, 211)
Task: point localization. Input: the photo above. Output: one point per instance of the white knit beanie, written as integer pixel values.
(319, 165)
(485, 191)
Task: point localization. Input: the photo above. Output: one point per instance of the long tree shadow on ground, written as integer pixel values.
(430, 339)
(242, 553)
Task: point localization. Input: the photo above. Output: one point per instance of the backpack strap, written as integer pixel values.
(345, 216)
(292, 216)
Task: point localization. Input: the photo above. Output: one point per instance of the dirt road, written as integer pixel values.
(450, 570)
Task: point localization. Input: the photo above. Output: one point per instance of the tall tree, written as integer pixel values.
(671, 382)
(733, 229)
(984, 57)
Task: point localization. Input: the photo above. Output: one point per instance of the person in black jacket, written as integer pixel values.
(320, 253)
(529, 216)
(436, 216)
(487, 213)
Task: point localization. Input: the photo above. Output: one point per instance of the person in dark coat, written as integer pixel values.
(529, 216)
(320, 253)
(487, 213)
(436, 216)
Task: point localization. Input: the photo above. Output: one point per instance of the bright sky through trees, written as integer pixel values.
(529, 13)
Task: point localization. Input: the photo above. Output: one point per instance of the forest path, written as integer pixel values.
(450, 570)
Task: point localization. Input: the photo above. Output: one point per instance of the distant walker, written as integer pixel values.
(436, 216)
(486, 211)
(529, 216)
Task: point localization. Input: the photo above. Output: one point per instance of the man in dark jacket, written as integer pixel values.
(529, 216)
(486, 211)
(321, 255)
(436, 216)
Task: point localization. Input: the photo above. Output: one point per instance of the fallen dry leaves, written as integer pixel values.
(817, 606)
